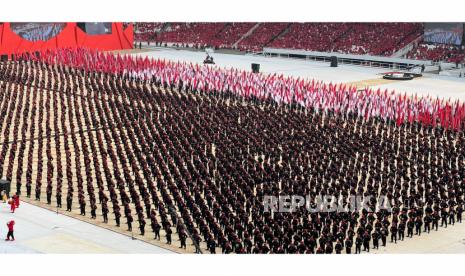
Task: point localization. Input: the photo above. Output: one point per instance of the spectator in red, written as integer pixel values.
(10, 226)
(12, 205)
(16, 200)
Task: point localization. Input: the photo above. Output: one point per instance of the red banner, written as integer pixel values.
(71, 35)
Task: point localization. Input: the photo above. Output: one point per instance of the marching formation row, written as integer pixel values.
(308, 94)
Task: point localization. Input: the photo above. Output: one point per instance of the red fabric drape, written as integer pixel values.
(70, 36)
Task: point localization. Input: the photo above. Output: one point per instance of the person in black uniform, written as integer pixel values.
(375, 237)
(168, 232)
(59, 200)
(156, 229)
(358, 244)
(328, 248)
(459, 213)
(129, 221)
(117, 218)
(82, 205)
(435, 221)
(452, 216)
(182, 239)
(69, 202)
(383, 234)
(444, 215)
(105, 214)
(418, 224)
(93, 213)
(348, 245)
(338, 247)
(401, 230)
(28, 190)
(427, 223)
(49, 195)
(366, 241)
(212, 245)
(394, 233)
(410, 226)
(142, 227)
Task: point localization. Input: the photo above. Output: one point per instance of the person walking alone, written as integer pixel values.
(10, 226)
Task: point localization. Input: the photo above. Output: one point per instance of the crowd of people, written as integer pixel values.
(378, 39)
(147, 31)
(191, 33)
(438, 52)
(353, 38)
(311, 36)
(231, 34)
(310, 94)
(262, 36)
(194, 150)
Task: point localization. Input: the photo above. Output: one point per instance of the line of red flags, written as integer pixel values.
(320, 96)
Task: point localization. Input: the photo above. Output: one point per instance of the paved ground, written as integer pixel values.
(41, 231)
(450, 240)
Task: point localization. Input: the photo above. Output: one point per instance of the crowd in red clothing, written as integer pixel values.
(192, 33)
(311, 36)
(439, 52)
(379, 39)
(354, 38)
(146, 31)
(232, 33)
(261, 36)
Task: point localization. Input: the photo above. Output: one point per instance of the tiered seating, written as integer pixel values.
(194, 161)
(146, 31)
(232, 33)
(311, 36)
(261, 36)
(377, 38)
(192, 33)
(355, 38)
(436, 53)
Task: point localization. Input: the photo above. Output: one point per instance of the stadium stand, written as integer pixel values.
(192, 33)
(352, 38)
(363, 38)
(262, 36)
(437, 52)
(311, 36)
(232, 33)
(146, 31)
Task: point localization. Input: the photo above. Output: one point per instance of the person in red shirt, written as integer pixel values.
(12, 205)
(10, 225)
(16, 200)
